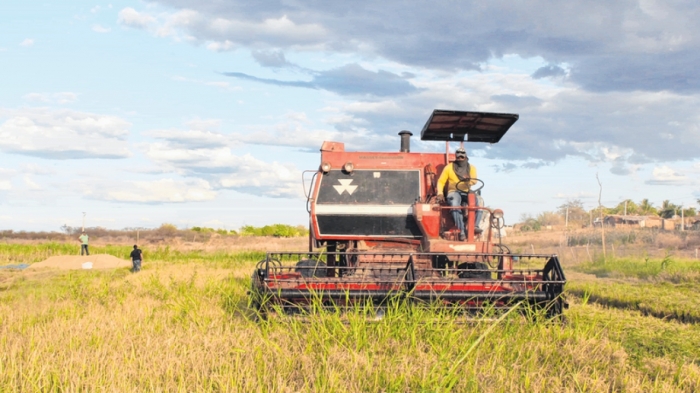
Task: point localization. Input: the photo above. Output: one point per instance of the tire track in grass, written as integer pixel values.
(645, 338)
(605, 301)
(678, 302)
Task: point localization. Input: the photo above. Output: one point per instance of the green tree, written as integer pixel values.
(166, 229)
(276, 230)
(577, 214)
(646, 208)
(529, 223)
(549, 218)
(668, 209)
(631, 208)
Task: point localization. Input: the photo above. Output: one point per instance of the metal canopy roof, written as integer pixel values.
(467, 126)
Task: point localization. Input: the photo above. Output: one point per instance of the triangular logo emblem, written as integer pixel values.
(345, 185)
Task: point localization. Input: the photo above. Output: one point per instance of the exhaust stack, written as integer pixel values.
(405, 141)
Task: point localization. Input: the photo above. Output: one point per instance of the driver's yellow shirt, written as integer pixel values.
(449, 176)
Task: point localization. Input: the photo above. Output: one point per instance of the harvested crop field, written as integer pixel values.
(182, 324)
(76, 262)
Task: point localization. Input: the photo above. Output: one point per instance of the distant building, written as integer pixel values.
(671, 224)
(617, 220)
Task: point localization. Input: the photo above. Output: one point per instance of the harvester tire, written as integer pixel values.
(309, 268)
(484, 274)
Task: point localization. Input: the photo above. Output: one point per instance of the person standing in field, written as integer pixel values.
(136, 258)
(84, 243)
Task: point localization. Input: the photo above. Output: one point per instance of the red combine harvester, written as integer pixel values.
(380, 233)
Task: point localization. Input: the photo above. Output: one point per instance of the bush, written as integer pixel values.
(166, 230)
(276, 230)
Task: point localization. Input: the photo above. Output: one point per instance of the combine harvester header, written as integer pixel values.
(380, 230)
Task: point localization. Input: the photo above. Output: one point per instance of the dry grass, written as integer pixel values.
(182, 325)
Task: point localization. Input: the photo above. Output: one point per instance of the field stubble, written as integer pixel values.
(182, 324)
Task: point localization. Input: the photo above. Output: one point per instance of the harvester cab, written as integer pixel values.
(378, 231)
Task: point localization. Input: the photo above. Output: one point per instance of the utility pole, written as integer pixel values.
(84, 221)
(682, 219)
(625, 207)
(602, 221)
(567, 217)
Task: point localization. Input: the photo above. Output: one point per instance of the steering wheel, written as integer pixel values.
(479, 184)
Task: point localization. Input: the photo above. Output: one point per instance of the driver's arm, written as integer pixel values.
(472, 175)
(444, 176)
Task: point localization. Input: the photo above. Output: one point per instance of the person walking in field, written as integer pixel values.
(84, 243)
(136, 259)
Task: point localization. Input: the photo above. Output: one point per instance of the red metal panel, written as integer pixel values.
(428, 219)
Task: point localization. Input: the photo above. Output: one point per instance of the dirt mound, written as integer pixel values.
(76, 262)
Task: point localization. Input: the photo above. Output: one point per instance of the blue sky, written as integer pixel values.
(204, 113)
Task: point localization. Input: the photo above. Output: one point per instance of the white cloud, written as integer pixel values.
(220, 84)
(31, 184)
(223, 34)
(575, 195)
(202, 153)
(59, 98)
(6, 176)
(227, 170)
(132, 18)
(296, 130)
(158, 191)
(191, 139)
(36, 169)
(37, 97)
(626, 124)
(204, 124)
(621, 48)
(27, 42)
(665, 175)
(65, 97)
(223, 46)
(63, 134)
(100, 29)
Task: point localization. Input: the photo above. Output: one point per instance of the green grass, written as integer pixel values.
(662, 300)
(665, 288)
(182, 324)
(645, 339)
(27, 253)
(668, 268)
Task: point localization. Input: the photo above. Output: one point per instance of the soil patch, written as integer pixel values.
(78, 262)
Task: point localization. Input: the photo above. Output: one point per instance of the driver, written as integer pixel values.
(458, 171)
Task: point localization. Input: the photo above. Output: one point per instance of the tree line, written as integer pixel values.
(573, 213)
(170, 230)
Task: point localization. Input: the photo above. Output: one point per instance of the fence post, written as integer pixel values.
(588, 252)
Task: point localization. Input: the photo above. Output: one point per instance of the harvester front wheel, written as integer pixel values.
(481, 270)
(309, 268)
